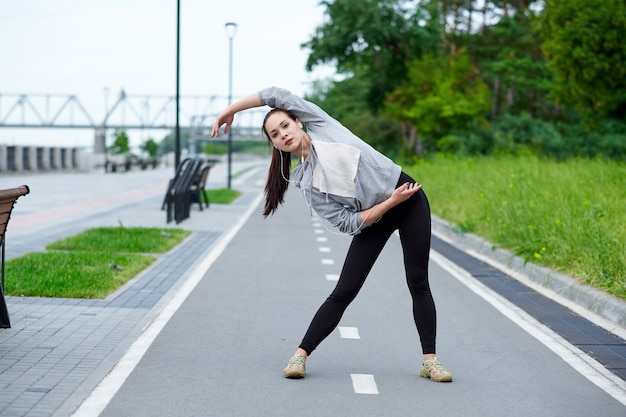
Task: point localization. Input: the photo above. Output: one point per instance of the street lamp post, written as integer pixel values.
(104, 128)
(231, 30)
(177, 131)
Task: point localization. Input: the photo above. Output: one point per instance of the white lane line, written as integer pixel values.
(364, 384)
(593, 370)
(110, 384)
(332, 277)
(317, 224)
(349, 332)
(324, 249)
(243, 178)
(319, 231)
(322, 239)
(328, 262)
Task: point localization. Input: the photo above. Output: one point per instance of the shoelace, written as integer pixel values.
(296, 362)
(436, 367)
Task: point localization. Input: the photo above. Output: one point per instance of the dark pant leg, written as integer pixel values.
(415, 233)
(362, 254)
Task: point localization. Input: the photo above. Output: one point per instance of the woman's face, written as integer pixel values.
(285, 133)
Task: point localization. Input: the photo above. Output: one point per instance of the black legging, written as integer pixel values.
(412, 219)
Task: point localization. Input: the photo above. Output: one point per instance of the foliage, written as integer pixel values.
(121, 144)
(374, 39)
(584, 41)
(168, 144)
(220, 147)
(568, 216)
(509, 56)
(150, 147)
(215, 148)
(346, 100)
(513, 134)
(442, 93)
(554, 70)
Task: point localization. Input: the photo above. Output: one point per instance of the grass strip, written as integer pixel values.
(92, 275)
(568, 216)
(91, 264)
(122, 239)
(221, 195)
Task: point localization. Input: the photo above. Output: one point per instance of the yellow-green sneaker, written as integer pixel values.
(296, 368)
(434, 370)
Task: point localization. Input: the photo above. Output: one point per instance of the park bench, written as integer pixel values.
(8, 198)
(198, 192)
(180, 190)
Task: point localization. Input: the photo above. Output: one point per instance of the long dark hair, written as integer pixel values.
(278, 173)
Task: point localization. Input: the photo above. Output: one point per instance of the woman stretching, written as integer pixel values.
(358, 190)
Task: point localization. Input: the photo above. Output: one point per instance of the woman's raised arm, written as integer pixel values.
(228, 114)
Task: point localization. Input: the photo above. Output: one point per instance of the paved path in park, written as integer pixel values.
(207, 329)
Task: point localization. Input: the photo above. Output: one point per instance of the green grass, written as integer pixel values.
(122, 239)
(71, 274)
(221, 195)
(91, 264)
(220, 147)
(569, 216)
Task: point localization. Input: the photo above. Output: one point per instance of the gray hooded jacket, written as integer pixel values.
(343, 175)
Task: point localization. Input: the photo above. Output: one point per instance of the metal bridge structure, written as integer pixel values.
(128, 112)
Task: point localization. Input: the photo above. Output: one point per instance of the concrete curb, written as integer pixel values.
(598, 302)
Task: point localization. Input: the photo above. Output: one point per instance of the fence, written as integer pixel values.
(37, 158)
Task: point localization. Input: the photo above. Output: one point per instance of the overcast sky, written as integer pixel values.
(89, 47)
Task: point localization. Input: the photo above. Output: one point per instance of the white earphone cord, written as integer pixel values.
(304, 194)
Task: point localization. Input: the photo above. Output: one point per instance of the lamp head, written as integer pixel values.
(231, 29)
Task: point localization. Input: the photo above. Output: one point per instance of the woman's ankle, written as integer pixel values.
(301, 352)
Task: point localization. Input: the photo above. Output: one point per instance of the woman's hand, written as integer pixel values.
(226, 117)
(404, 192)
(228, 114)
(400, 194)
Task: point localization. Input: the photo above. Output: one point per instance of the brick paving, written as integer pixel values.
(59, 349)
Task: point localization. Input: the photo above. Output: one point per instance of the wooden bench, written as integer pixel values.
(8, 198)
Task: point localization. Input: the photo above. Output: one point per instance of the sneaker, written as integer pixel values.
(434, 370)
(296, 368)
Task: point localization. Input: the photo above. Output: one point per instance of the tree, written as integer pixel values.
(584, 42)
(374, 39)
(121, 143)
(346, 101)
(150, 147)
(168, 143)
(509, 56)
(441, 95)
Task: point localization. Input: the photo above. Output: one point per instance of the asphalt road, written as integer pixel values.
(223, 351)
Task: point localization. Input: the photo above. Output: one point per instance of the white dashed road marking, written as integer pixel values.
(349, 333)
(364, 384)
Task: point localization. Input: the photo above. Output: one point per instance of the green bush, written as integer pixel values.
(513, 132)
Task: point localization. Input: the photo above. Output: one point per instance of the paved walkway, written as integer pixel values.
(59, 350)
